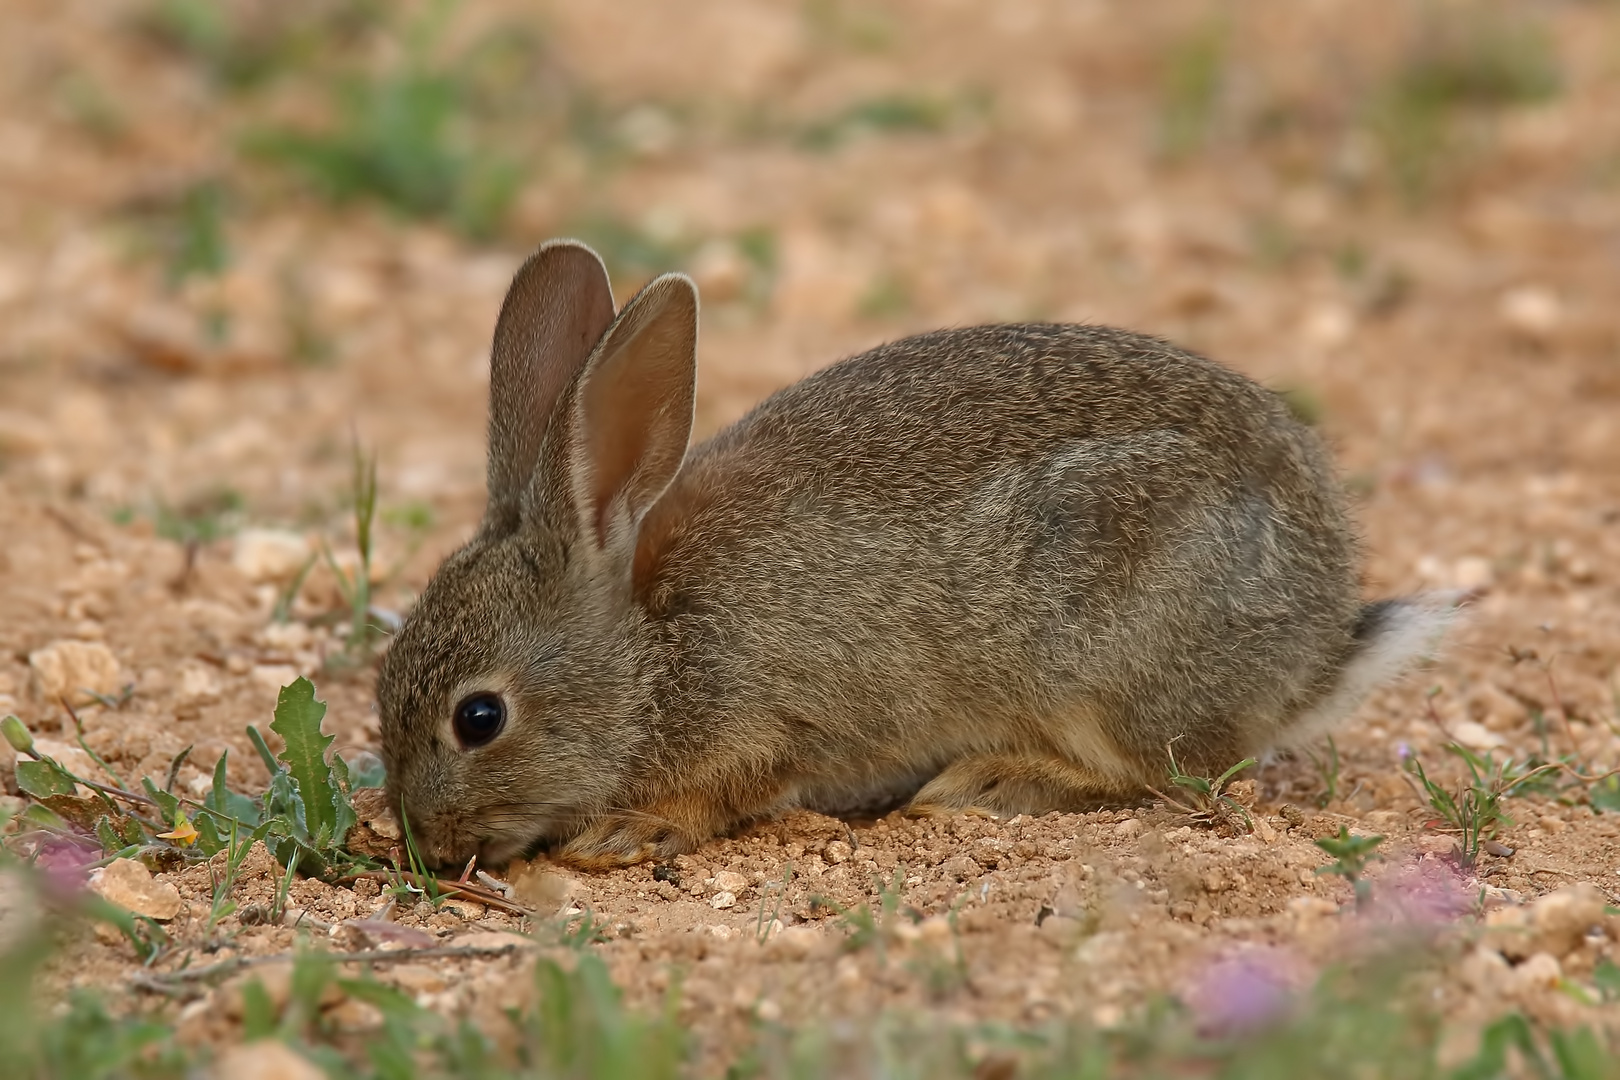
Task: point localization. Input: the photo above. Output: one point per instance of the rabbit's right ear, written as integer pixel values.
(557, 308)
(632, 414)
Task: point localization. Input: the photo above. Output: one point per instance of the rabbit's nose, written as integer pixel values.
(442, 846)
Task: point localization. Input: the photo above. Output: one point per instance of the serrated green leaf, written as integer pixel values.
(37, 816)
(327, 815)
(42, 779)
(134, 835)
(167, 803)
(368, 773)
(283, 803)
(345, 817)
(209, 841)
(107, 836)
(222, 800)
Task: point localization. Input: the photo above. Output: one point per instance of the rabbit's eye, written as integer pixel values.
(479, 719)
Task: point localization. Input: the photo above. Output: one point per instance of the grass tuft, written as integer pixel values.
(1351, 854)
(1474, 812)
(898, 114)
(1462, 66)
(243, 47)
(402, 137)
(355, 586)
(1192, 82)
(1204, 799)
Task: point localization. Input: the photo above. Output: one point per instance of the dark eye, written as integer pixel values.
(479, 719)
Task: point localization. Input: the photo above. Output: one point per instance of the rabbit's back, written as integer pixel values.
(1026, 538)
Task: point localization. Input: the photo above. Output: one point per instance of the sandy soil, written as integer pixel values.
(1459, 351)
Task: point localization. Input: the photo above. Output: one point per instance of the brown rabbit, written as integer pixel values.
(999, 568)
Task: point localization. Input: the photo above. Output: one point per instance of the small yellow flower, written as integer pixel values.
(184, 833)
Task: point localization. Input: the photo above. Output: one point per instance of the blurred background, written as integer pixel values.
(236, 238)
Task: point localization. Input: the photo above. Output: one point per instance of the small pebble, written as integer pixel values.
(266, 1059)
(1501, 851)
(730, 881)
(74, 670)
(130, 885)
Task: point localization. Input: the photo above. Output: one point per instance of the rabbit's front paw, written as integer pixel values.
(624, 839)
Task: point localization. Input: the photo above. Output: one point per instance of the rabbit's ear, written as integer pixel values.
(633, 412)
(555, 312)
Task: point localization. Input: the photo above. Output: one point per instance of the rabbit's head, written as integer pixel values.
(515, 699)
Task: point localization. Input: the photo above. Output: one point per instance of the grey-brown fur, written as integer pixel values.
(1005, 565)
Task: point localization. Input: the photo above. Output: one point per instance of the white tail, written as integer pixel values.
(1391, 636)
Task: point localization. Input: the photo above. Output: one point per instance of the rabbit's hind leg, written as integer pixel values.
(1004, 785)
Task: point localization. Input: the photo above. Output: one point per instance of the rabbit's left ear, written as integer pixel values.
(555, 312)
(632, 412)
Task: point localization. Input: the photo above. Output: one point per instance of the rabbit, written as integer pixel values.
(997, 570)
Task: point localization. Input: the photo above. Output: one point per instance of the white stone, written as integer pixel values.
(1561, 919)
(197, 683)
(719, 270)
(287, 636)
(269, 554)
(1475, 735)
(267, 1059)
(795, 942)
(1472, 572)
(131, 886)
(547, 891)
(1539, 973)
(74, 670)
(730, 881)
(1327, 326)
(1532, 310)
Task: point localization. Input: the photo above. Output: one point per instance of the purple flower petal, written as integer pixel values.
(1241, 993)
(1429, 893)
(64, 868)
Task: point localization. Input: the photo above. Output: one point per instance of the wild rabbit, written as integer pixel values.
(997, 569)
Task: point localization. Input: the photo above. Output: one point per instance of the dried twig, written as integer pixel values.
(164, 982)
(477, 893)
(495, 884)
(1558, 702)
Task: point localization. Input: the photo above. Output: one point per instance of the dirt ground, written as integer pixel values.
(1461, 348)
